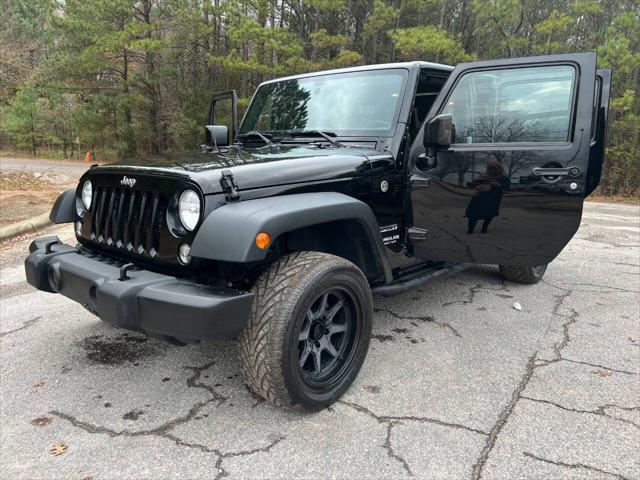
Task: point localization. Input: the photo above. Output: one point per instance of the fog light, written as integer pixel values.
(183, 253)
(79, 229)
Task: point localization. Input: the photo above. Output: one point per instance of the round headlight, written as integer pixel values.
(87, 194)
(189, 209)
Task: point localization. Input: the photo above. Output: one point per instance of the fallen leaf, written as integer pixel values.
(601, 373)
(58, 449)
(87, 477)
(39, 383)
(517, 306)
(41, 421)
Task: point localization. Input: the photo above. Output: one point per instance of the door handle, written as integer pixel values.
(555, 172)
(417, 181)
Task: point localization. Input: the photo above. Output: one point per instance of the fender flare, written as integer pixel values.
(228, 233)
(63, 208)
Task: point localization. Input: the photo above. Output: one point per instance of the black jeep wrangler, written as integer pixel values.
(335, 185)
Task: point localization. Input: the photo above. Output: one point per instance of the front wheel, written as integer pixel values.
(308, 332)
(521, 274)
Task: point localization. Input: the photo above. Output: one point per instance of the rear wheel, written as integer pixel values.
(520, 274)
(308, 332)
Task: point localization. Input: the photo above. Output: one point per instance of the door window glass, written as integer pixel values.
(531, 104)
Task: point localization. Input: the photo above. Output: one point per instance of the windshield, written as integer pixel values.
(354, 103)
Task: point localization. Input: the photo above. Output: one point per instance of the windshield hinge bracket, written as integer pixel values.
(229, 186)
(415, 234)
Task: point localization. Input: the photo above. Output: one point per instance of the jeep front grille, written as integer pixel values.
(128, 219)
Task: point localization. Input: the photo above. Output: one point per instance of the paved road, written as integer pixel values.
(58, 170)
(457, 384)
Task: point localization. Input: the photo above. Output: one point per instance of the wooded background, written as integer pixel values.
(123, 77)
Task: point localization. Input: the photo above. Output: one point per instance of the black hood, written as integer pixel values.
(253, 167)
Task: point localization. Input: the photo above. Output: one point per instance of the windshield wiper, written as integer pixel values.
(325, 135)
(255, 133)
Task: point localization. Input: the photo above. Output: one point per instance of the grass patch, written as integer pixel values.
(42, 155)
(628, 199)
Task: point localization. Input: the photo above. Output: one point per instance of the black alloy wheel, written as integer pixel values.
(328, 336)
(309, 330)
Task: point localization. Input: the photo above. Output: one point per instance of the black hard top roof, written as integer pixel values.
(380, 66)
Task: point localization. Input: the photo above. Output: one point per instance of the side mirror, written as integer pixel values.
(439, 132)
(217, 135)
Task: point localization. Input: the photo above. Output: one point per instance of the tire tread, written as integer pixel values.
(520, 274)
(258, 362)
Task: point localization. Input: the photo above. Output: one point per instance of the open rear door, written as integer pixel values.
(509, 189)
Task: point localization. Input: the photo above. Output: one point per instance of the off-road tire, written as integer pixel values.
(520, 274)
(268, 346)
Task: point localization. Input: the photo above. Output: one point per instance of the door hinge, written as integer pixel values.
(229, 186)
(418, 181)
(415, 234)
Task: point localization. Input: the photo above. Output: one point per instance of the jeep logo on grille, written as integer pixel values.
(129, 182)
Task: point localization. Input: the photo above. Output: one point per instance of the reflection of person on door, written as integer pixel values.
(485, 204)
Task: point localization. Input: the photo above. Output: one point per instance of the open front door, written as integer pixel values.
(510, 186)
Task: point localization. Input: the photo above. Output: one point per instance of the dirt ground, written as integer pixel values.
(28, 187)
(25, 194)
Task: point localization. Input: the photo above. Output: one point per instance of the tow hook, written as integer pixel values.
(123, 271)
(48, 245)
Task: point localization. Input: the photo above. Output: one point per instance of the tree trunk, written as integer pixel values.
(443, 9)
(396, 26)
(245, 74)
(129, 133)
(33, 137)
(316, 27)
(157, 142)
(546, 48)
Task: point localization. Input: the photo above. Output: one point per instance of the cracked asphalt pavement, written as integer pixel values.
(457, 383)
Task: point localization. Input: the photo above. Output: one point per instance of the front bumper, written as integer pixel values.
(157, 304)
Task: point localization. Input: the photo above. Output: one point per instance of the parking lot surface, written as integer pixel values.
(458, 383)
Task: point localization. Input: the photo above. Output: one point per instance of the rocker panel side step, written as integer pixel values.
(419, 278)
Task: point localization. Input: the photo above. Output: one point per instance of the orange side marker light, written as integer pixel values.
(262, 240)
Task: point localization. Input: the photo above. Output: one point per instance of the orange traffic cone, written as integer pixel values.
(87, 157)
